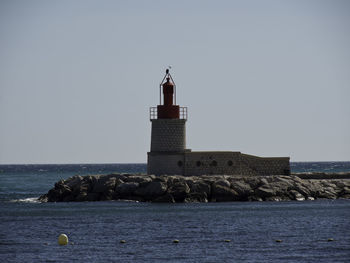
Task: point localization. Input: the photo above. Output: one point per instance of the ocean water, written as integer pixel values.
(29, 229)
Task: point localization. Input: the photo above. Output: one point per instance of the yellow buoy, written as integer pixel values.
(227, 240)
(176, 241)
(62, 240)
(122, 241)
(278, 240)
(330, 239)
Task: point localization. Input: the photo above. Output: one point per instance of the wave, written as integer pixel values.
(26, 200)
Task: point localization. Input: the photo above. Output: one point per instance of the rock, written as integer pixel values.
(59, 192)
(302, 189)
(53, 195)
(295, 195)
(72, 182)
(173, 179)
(274, 199)
(284, 178)
(207, 180)
(254, 198)
(328, 184)
(107, 195)
(160, 179)
(103, 184)
(204, 188)
(65, 191)
(121, 177)
(43, 198)
(178, 179)
(339, 184)
(69, 198)
(152, 190)
(243, 189)
(327, 194)
(263, 181)
(92, 197)
(345, 196)
(90, 180)
(179, 190)
(138, 179)
(296, 179)
(126, 188)
(167, 198)
(190, 181)
(223, 194)
(253, 181)
(201, 187)
(264, 192)
(130, 198)
(280, 189)
(282, 182)
(59, 184)
(345, 191)
(118, 182)
(314, 187)
(152, 176)
(196, 197)
(222, 182)
(82, 188)
(81, 197)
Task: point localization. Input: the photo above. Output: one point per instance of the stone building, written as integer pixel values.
(169, 155)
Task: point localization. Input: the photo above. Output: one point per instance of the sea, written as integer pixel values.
(304, 231)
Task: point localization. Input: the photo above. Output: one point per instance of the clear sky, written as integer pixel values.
(269, 78)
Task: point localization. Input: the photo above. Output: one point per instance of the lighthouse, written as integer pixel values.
(169, 156)
(168, 135)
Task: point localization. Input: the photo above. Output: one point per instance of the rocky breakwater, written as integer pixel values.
(170, 189)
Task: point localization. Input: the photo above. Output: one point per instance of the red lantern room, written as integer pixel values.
(169, 109)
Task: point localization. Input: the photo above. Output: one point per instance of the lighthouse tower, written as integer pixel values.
(169, 155)
(168, 136)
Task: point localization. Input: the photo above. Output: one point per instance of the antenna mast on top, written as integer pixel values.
(167, 75)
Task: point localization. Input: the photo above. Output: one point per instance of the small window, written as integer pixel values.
(179, 163)
(198, 163)
(214, 163)
(229, 163)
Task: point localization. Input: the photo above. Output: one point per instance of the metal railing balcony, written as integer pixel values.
(153, 113)
(183, 113)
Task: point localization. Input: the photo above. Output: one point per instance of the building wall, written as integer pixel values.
(199, 163)
(159, 163)
(266, 165)
(168, 135)
(215, 163)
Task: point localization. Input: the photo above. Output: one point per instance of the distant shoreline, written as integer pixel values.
(323, 175)
(143, 163)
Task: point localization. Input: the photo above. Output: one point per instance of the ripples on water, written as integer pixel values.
(327, 167)
(29, 231)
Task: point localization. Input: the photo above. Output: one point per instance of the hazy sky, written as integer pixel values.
(269, 78)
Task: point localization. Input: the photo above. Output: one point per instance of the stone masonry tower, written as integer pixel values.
(168, 136)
